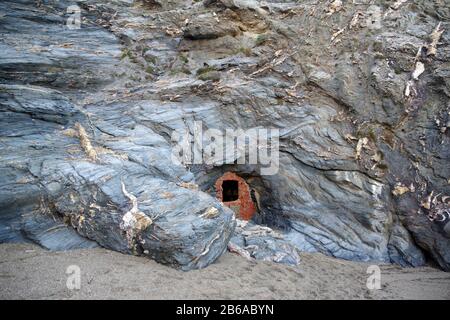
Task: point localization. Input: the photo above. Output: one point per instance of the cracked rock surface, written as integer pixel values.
(364, 157)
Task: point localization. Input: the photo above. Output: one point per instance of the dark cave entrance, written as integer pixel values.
(230, 190)
(258, 196)
(234, 192)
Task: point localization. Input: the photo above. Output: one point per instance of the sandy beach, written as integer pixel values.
(30, 272)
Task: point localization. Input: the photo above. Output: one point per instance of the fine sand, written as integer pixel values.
(30, 272)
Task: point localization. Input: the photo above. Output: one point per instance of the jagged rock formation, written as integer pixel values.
(359, 92)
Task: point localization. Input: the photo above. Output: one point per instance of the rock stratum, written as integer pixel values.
(359, 92)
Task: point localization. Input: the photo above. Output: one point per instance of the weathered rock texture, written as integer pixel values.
(359, 92)
(262, 243)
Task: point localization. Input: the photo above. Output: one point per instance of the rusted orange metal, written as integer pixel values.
(244, 207)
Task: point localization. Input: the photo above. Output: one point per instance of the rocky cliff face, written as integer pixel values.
(359, 92)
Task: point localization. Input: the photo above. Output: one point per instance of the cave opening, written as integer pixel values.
(258, 195)
(230, 190)
(234, 192)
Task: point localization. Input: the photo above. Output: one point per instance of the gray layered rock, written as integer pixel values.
(360, 96)
(63, 191)
(107, 198)
(253, 241)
